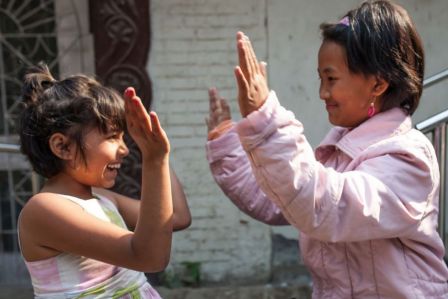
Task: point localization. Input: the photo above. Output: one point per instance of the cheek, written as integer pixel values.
(356, 99)
(362, 93)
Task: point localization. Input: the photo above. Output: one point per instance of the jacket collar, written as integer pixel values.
(353, 141)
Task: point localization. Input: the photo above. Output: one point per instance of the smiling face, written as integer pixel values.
(347, 95)
(103, 155)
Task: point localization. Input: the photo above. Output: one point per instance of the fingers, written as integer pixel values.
(129, 92)
(214, 100)
(242, 55)
(219, 110)
(247, 59)
(213, 97)
(243, 86)
(209, 125)
(156, 127)
(144, 127)
(142, 114)
(158, 133)
(136, 114)
(255, 66)
(239, 35)
(263, 67)
(249, 56)
(225, 109)
(251, 77)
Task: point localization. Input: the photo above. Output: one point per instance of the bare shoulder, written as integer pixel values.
(44, 202)
(46, 207)
(42, 212)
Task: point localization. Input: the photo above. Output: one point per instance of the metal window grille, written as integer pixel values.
(27, 36)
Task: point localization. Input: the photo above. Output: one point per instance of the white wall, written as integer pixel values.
(75, 42)
(431, 19)
(194, 48)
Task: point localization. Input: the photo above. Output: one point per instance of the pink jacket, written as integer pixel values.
(365, 203)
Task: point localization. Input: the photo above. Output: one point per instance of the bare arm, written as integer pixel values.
(181, 215)
(154, 225)
(129, 207)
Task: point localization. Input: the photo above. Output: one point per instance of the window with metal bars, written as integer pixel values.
(27, 36)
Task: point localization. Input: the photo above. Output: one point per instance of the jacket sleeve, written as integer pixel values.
(232, 172)
(385, 196)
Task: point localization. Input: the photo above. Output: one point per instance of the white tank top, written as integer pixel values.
(71, 276)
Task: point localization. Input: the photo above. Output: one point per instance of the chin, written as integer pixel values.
(107, 185)
(337, 123)
(333, 121)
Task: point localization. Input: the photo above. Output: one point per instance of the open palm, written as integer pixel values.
(219, 110)
(145, 128)
(250, 74)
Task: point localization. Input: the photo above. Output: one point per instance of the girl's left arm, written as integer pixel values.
(129, 207)
(181, 211)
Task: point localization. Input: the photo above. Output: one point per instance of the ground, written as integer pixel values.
(248, 292)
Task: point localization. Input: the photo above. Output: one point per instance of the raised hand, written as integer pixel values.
(250, 75)
(219, 109)
(145, 128)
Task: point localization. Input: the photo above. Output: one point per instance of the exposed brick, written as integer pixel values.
(194, 48)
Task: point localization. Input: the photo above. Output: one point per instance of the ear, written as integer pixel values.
(61, 146)
(380, 87)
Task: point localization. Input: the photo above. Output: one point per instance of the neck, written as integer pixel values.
(65, 184)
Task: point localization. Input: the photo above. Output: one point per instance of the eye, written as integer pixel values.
(115, 135)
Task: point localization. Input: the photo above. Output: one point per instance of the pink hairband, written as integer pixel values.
(344, 21)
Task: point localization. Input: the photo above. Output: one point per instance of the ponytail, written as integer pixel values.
(37, 81)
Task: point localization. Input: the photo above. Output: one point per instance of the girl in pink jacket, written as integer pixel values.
(366, 200)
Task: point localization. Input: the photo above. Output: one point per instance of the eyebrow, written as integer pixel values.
(327, 70)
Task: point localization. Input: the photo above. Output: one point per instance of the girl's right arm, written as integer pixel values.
(231, 169)
(156, 206)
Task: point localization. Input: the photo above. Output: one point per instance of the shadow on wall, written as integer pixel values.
(287, 267)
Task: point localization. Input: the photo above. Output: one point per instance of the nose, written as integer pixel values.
(123, 149)
(324, 94)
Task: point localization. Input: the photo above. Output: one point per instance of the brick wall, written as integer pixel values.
(193, 48)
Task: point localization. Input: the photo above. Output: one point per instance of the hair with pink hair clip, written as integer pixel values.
(344, 21)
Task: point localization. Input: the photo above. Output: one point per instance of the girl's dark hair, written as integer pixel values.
(72, 106)
(381, 40)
